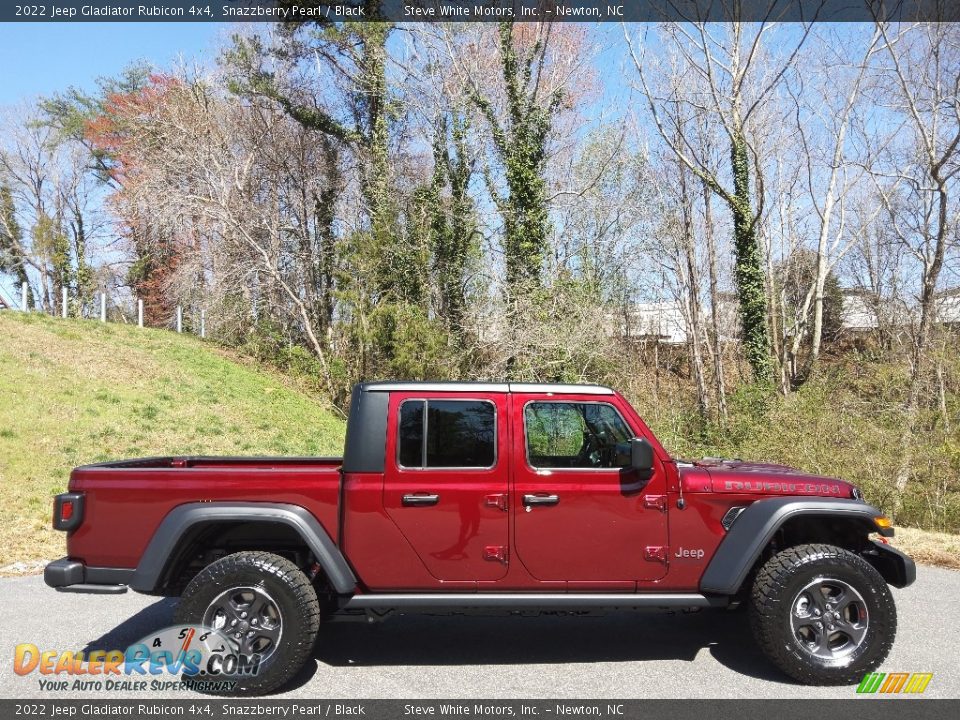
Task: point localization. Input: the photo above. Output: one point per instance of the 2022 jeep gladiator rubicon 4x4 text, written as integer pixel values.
(462, 497)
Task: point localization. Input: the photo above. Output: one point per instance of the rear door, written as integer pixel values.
(581, 514)
(445, 483)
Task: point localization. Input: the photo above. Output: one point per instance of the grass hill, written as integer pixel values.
(75, 392)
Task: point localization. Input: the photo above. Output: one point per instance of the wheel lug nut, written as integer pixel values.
(250, 634)
(237, 636)
(233, 622)
(243, 614)
(253, 622)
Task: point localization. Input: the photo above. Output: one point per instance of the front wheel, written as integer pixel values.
(264, 605)
(822, 614)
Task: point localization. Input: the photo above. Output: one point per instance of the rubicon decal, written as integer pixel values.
(192, 652)
(889, 683)
(785, 488)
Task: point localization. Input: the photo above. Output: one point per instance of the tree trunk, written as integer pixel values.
(931, 276)
(694, 337)
(748, 271)
(718, 380)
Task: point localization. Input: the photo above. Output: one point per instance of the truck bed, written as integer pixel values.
(125, 500)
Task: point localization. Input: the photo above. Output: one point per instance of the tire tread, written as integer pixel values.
(293, 580)
(766, 616)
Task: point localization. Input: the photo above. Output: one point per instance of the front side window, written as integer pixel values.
(447, 434)
(576, 435)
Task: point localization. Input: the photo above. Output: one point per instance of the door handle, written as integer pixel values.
(541, 499)
(420, 499)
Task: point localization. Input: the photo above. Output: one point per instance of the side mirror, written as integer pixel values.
(641, 457)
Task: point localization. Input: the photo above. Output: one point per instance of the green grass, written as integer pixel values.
(76, 392)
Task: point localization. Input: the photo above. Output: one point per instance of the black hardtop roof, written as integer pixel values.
(487, 387)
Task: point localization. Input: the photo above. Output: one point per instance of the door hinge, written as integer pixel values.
(499, 500)
(656, 553)
(655, 502)
(495, 552)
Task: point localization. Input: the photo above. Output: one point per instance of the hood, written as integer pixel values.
(757, 478)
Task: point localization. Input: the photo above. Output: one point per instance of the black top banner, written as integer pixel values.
(333, 11)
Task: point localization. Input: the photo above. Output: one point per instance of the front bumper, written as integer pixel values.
(66, 575)
(896, 568)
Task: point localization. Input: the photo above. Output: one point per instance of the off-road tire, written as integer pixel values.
(779, 585)
(287, 586)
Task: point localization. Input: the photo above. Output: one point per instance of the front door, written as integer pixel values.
(445, 483)
(581, 514)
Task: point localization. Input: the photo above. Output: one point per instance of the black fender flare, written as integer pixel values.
(755, 527)
(183, 518)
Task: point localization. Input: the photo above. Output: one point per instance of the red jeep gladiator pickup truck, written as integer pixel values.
(483, 497)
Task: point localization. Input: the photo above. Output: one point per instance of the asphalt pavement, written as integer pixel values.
(624, 655)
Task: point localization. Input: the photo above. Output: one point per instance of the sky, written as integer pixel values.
(44, 58)
(40, 59)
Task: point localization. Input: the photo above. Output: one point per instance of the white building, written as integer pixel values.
(858, 313)
(666, 322)
(948, 307)
(663, 321)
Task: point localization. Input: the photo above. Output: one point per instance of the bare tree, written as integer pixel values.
(825, 112)
(730, 77)
(918, 182)
(228, 180)
(50, 217)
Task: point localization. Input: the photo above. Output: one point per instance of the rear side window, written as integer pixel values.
(411, 434)
(575, 435)
(447, 434)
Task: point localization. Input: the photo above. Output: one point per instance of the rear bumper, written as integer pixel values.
(897, 569)
(66, 575)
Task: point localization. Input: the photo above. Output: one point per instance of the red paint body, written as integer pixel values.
(609, 531)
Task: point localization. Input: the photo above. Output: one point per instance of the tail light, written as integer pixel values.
(67, 511)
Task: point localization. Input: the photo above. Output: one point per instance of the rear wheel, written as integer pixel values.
(822, 614)
(265, 606)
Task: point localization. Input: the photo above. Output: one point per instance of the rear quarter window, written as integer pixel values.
(447, 434)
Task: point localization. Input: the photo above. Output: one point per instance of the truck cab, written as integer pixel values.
(507, 486)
